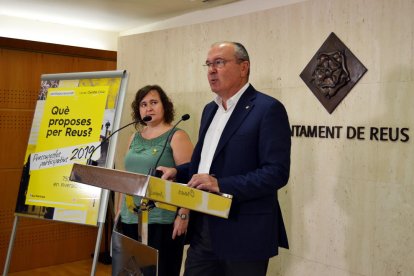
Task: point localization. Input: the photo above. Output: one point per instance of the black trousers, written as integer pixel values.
(170, 252)
(202, 261)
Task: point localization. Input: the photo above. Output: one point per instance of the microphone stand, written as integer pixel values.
(153, 171)
(149, 205)
(94, 162)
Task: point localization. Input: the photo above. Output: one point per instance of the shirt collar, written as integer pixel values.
(233, 100)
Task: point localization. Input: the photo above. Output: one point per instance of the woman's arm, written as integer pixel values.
(182, 147)
(182, 151)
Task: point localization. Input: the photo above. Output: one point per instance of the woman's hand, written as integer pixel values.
(181, 222)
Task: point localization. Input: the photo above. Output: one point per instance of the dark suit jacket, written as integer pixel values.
(251, 163)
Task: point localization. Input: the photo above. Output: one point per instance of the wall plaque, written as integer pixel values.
(332, 72)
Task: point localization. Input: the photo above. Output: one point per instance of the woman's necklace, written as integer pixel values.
(154, 150)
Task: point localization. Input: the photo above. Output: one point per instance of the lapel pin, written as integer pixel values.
(247, 107)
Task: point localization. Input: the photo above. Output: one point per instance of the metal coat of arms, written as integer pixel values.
(332, 72)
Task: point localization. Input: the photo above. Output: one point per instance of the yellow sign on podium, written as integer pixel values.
(153, 188)
(182, 196)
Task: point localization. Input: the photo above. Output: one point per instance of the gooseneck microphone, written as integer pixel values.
(153, 171)
(95, 163)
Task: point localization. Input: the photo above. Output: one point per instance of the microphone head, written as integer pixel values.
(185, 117)
(147, 118)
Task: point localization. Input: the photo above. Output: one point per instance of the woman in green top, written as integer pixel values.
(165, 228)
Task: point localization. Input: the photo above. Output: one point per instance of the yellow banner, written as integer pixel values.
(69, 130)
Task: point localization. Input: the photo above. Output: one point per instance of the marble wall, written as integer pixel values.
(349, 204)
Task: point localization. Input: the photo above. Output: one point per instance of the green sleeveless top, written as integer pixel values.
(141, 156)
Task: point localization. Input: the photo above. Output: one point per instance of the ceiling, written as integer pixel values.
(104, 15)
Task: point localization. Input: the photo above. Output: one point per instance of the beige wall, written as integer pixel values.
(349, 204)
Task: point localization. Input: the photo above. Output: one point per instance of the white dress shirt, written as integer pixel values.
(216, 129)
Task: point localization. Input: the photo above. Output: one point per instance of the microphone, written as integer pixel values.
(153, 171)
(94, 162)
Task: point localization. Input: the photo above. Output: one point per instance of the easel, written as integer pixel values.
(123, 77)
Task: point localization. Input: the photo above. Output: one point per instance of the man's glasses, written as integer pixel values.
(217, 63)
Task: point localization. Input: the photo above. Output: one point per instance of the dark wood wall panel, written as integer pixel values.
(14, 134)
(43, 244)
(17, 98)
(8, 202)
(38, 243)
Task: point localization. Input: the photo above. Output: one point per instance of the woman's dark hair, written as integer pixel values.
(166, 103)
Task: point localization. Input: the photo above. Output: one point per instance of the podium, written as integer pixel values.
(151, 188)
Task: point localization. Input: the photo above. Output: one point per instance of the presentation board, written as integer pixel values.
(74, 114)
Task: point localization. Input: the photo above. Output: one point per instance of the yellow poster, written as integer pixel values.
(70, 129)
(74, 118)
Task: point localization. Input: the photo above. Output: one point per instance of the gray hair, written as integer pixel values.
(240, 51)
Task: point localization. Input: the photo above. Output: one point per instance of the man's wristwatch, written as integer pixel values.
(182, 216)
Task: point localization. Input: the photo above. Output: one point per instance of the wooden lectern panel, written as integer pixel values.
(114, 180)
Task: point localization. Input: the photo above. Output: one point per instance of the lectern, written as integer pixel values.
(157, 190)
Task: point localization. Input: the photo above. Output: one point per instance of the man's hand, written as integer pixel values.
(205, 182)
(167, 173)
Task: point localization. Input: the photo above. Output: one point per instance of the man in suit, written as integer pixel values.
(243, 150)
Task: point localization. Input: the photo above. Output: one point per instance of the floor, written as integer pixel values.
(76, 268)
